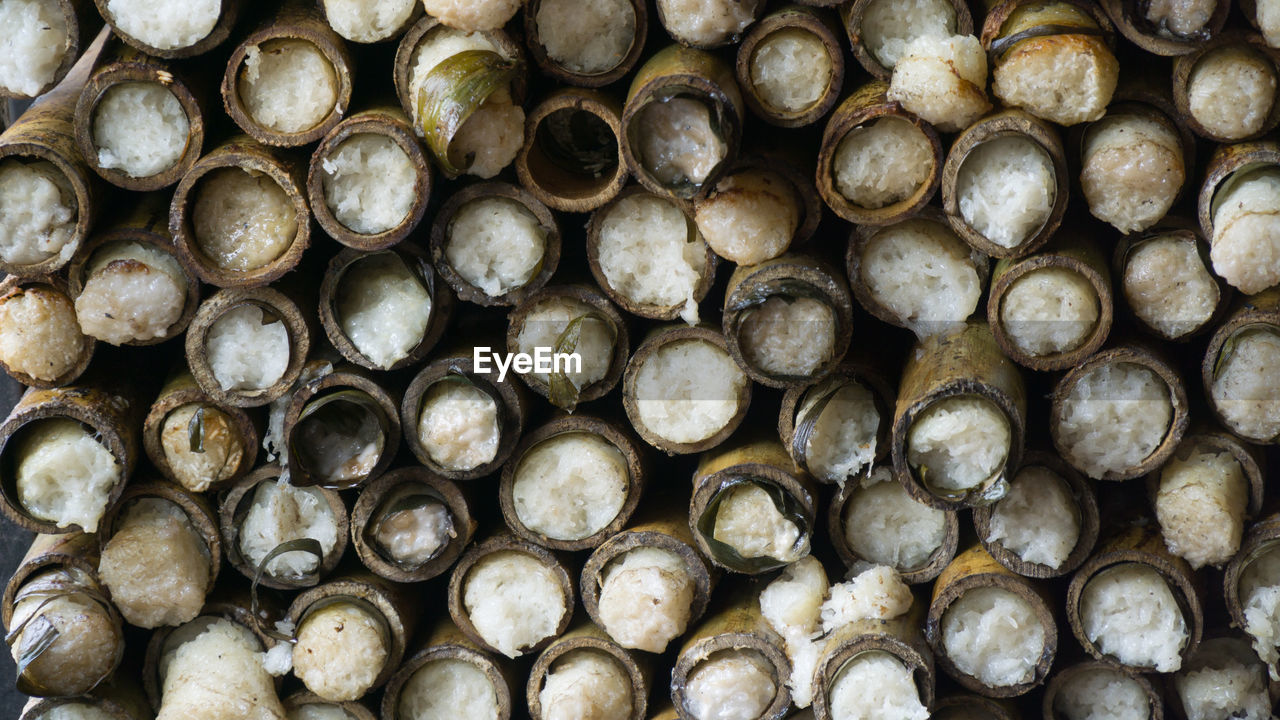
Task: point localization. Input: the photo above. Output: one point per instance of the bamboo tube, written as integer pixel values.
(1137, 549)
(856, 181)
(696, 91)
(231, 313)
(1235, 58)
(763, 304)
(683, 392)
(361, 289)
(71, 612)
(708, 26)
(120, 697)
(997, 590)
(735, 637)
(977, 159)
(161, 134)
(765, 204)
(878, 52)
(198, 33)
(863, 521)
(587, 463)
(369, 180)
(636, 565)
(856, 435)
(1028, 42)
(271, 187)
(129, 285)
(1081, 686)
(313, 513)
(1249, 581)
(1046, 496)
(465, 243)
(801, 93)
(85, 423)
(359, 22)
(226, 436)
(342, 625)
(1223, 675)
(966, 373)
(573, 318)
(617, 30)
(898, 639)
(1169, 31)
(400, 516)
(161, 553)
(300, 41)
(638, 222)
(1262, 19)
(1232, 210)
(1244, 401)
(571, 159)
(38, 156)
(433, 442)
(1143, 263)
(1071, 276)
(752, 509)
(503, 575)
(884, 266)
(972, 707)
(76, 21)
(1143, 400)
(586, 651)
(325, 447)
(41, 343)
(450, 650)
(305, 703)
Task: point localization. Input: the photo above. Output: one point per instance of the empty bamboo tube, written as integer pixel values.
(571, 159)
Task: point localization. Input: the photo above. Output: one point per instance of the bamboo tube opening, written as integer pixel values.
(835, 429)
(683, 392)
(1134, 162)
(1262, 15)
(1238, 187)
(571, 483)
(1132, 392)
(306, 705)
(791, 66)
(972, 707)
(361, 21)
(340, 430)
(1226, 89)
(1146, 264)
(41, 344)
(450, 677)
(880, 30)
(1047, 525)
(707, 25)
(1093, 686)
(495, 244)
(195, 442)
(883, 659)
(764, 204)
(1168, 28)
(571, 159)
(166, 31)
(589, 44)
(187, 683)
(369, 181)
(46, 39)
(410, 525)
(38, 183)
(1251, 586)
(90, 707)
(1243, 400)
(874, 519)
(587, 675)
(246, 347)
(1223, 675)
(729, 667)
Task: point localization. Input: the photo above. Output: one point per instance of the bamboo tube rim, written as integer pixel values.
(83, 25)
(460, 652)
(402, 483)
(1226, 161)
(1134, 355)
(128, 67)
(794, 170)
(595, 227)
(440, 237)
(851, 15)
(586, 640)
(964, 704)
(1138, 30)
(559, 72)
(992, 30)
(292, 22)
(316, 390)
(540, 174)
(415, 14)
(243, 154)
(76, 550)
(972, 570)
(78, 178)
(1006, 123)
(38, 708)
(704, 648)
(15, 284)
(1259, 539)
(926, 572)
(235, 503)
(1182, 230)
(623, 442)
(227, 15)
(511, 404)
(899, 637)
(1155, 702)
(1252, 313)
(1184, 65)
(385, 122)
(1250, 457)
(816, 23)
(214, 308)
(506, 542)
(1086, 503)
(848, 373)
(354, 709)
(180, 391)
(598, 301)
(660, 338)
